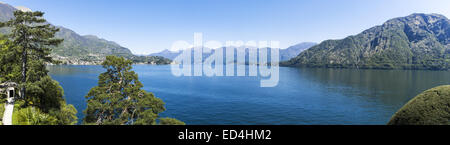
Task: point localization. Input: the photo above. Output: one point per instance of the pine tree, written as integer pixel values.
(9, 70)
(33, 38)
(119, 100)
(24, 54)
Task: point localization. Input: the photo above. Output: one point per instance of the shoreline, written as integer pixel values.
(284, 66)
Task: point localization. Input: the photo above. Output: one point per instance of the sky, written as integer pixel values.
(149, 26)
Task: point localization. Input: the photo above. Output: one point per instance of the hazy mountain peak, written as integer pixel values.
(23, 9)
(285, 54)
(91, 36)
(168, 51)
(293, 51)
(304, 44)
(6, 12)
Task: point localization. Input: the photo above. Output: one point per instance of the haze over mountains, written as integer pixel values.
(285, 54)
(77, 49)
(293, 51)
(417, 41)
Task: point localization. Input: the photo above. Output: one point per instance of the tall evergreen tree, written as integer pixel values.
(9, 70)
(24, 53)
(118, 98)
(33, 38)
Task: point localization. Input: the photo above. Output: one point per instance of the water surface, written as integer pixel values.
(303, 95)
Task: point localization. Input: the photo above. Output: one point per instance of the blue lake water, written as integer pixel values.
(303, 95)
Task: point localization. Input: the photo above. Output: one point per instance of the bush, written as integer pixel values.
(66, 115)
(170, 121)
(431, 107)
(33, 116)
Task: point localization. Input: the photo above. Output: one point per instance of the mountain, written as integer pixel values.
(293, 51)
(5, 12)
(167, 54)
(77, 49)
(417, 41)
(285, 54)
(84, 49)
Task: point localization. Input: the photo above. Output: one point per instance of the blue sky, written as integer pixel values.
(148, 26)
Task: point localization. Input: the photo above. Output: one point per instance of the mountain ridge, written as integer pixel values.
(81, 50)
(417, 41)
(285, 54)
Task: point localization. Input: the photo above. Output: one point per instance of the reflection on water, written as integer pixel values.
(303, 95)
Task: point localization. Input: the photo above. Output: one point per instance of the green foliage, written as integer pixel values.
(32, 34)
(31, 38)
(24, 54)
(170, 121)
(66, 115)
(428, 108)
(119, 100)
(47, 94)
(33, 116)
(9, 70)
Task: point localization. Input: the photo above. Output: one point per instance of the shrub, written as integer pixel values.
(431, 107)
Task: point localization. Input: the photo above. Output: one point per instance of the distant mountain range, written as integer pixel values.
(293, 51)
(167, 54)
(77, 49)
(285, 54)
(417, 41)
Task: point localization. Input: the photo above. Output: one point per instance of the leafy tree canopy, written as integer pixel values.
(119, 100)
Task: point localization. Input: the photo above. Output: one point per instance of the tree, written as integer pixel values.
(170, 121)
(118, 98)
(33, 39)
(9, 70)
(66, 115)
(23, 56)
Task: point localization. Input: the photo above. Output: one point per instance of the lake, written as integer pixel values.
(304, 96)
